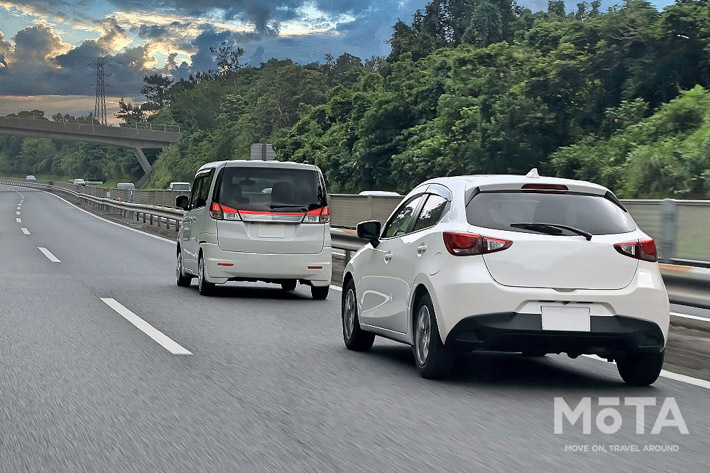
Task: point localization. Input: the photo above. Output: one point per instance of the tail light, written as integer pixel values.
(222, 212)
(640, 249)
(321, 215)
(466, 244)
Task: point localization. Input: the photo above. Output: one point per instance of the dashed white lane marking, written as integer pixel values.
(25, 231)
(49, 255)
(668, 374)
(688, 316)
(17, 213)
(18, 220)
(336, 288)
(146, 328)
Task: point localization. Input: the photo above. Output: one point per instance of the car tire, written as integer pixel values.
(433, 359)
(203, 286)
(182, 279)
(640, 369)
(354, 337)
(289, 285)
(320, 292)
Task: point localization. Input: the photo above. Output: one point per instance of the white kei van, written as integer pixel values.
(256, 221)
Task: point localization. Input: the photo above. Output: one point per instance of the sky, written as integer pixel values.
(48, 48)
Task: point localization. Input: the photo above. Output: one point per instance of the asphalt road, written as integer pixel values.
(268, 385)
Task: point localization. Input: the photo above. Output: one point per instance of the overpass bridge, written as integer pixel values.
(140, 137)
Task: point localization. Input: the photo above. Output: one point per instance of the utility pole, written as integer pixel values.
(100, 104)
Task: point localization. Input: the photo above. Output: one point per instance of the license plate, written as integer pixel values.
(566, 319)
(271, 230)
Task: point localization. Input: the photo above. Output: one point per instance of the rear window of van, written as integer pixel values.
(270, 189)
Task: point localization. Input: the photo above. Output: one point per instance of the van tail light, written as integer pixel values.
(466, 244)
(222, 212)
(321, 215)
(640, 249)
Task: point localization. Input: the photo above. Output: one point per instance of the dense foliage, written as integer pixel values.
(471, 86)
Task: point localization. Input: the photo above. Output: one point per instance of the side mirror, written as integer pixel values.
(370, 231)
(182, 202)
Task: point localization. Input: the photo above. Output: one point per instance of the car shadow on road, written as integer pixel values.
(254, 291)
(506, 369)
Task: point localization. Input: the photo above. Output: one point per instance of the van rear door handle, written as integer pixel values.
(421, 249)
(388, 257)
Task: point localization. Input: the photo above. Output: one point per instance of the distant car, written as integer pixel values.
(523, 264)
(129, 186)
(30, 178)
(79, 182)
(180, 186)
(381, 193)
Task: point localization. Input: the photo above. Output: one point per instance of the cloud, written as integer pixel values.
(175, 36)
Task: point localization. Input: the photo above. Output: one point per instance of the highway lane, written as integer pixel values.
(269, 385)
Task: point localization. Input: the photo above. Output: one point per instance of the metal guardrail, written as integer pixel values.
(686, 285)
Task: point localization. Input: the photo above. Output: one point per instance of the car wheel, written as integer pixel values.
(640, 369)
(206, 288)
(288, 285)
(433, 359)
(320, 292)
(354, 337)
(182, 280)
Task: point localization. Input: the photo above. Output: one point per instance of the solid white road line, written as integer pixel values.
(146, 328)
(25, 231)
(686, 379)
(688, 316)
(18, 220)
(667, 374)
(49, 255)
(113, 223)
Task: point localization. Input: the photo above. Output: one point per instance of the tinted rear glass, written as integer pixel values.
(270, 189)
(181, 187)
(594, 214)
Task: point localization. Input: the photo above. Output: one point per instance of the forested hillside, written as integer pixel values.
(473, 86)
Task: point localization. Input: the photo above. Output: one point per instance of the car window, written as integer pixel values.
(201, 190)
(431, 212)
(592, 213)
(401, 220)
(265, 189)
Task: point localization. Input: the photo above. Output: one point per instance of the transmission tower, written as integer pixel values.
(100, 105)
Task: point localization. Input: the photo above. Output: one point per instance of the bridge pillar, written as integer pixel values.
(142, 159)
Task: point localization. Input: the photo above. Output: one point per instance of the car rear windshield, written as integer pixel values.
(511, 211)
(270, 189)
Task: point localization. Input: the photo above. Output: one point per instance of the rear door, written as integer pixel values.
(545, 255)
(276, 210)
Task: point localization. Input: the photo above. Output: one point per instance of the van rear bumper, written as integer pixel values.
(313, 268)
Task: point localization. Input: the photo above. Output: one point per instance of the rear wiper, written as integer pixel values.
(299, 207)
(541, 227)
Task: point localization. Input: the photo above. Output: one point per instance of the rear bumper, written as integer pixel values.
(313, 268)
(515, 332)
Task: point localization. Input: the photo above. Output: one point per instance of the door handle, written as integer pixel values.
(421, 249)
(388, 257)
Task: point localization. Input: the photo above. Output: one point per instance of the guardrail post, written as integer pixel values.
(669, 229)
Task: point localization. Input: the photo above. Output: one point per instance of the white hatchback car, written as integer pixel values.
(256, 221)
(509, 263)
